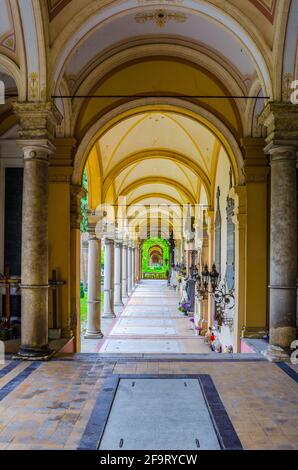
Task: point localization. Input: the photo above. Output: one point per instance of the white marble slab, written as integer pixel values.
(141, 346)
(143, 330)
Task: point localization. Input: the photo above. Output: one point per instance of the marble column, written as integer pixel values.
(283, 251)
(129, 273)
(37, 122)
(124, 271)
(34, 336)
(109, 279)
(94, 287)
(281, 121)
(137, 263)
(133, 268)
(118, 275)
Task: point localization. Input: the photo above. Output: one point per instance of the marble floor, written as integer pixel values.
(58, 404)
(149, 323)
(148, 366)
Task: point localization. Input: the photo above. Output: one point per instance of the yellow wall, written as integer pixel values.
(152, 76)
(59, 247)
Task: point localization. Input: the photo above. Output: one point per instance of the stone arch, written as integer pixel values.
(177, 105)
(248, 36)
(151, 154)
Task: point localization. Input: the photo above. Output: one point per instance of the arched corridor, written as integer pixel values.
(148, 224)
(150, 323)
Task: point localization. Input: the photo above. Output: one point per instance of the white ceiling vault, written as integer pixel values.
(158, 156)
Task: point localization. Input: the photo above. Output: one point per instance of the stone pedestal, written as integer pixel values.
(94, 285)
(118, 275)
(124, 271)
(109, 279)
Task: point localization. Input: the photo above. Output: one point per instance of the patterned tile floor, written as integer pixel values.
(48, 405)
(51, 406)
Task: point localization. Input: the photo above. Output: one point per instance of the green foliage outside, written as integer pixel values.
(164, 245)
(84, 204)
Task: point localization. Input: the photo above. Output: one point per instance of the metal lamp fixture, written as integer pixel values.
(211, 277)
(224, 297)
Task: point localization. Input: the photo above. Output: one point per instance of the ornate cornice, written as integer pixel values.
(281, 120)
(37, 120)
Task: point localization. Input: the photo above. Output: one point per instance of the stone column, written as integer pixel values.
(124, 271)
(118, 275)
(281, 120)
(140, 263)
(35, 250)
(129, 273)
(109, 279)
(240, 220)
(74, 324)
(283, 248)
(94, 286)
(37, 127)
(137, 264)
(133, 268)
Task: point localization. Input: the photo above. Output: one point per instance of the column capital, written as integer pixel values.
(118, 243)
(283, 153)
(37, 120)
(91, 231)
(281, 120)
(108, 241)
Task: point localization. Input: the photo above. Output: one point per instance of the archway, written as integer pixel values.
(155, 258)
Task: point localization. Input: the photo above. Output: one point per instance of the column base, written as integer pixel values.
(108, 315)
(276, 354)
(257, 332)
(93, 335)
(34, 354)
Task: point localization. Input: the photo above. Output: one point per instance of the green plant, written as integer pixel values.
(82, 291)
(164, 245)
(84, 204)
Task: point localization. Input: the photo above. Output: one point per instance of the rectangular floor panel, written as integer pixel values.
(141, 346)
(159, 414)
(143, 330)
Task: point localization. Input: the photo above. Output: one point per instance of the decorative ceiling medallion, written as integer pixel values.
(161, 17)
(266, 7)
(55, 6)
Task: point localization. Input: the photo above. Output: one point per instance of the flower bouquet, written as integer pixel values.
(184, 308)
